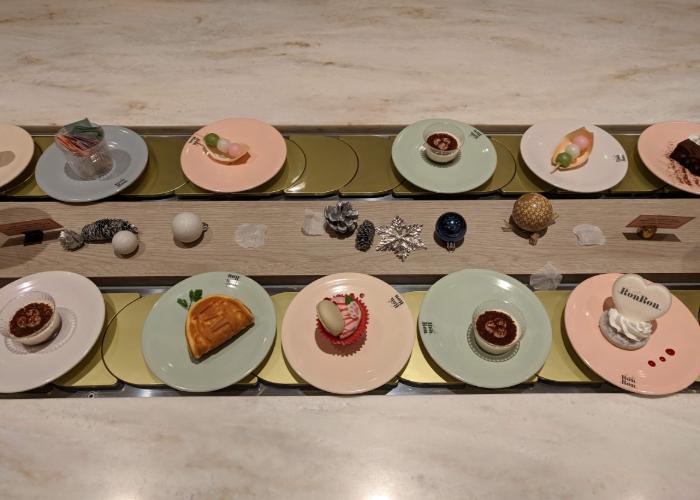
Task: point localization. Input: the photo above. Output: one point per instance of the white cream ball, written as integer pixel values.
(125, 242)
(187, 227)
(222, 145)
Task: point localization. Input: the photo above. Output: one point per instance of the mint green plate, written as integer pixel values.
(165, 347)
(473, 167)
(444, 326)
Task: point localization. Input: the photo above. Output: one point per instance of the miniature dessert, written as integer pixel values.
(30, 318)
(443, 141)
(222, 149)
(687, 154)
(629, 321)
(573, 150)
(342, 319)
(496, 331)
(213, 320)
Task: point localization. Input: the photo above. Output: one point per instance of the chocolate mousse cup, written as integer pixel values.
(498, 326)
(443, 142)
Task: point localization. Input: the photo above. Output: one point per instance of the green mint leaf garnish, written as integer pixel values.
(183, 303)
(348, 299)
(197, 295)
(191, 295)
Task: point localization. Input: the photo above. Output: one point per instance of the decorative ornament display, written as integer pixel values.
(188, 227)
(532, 215)
(102, 230)
(365, 236)
(450, 228)
(125, 243)
(341, 217)
(400, 238)
(573, 150)
(222, 149)
(646, 232)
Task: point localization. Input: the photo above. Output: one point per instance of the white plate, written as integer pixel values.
(129, 154)
(606, 166)
(81, 304)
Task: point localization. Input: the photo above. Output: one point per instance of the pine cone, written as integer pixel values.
(365, 236)
(341, 218)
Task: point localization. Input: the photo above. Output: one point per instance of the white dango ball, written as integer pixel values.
(223, 145)
(125, 242)
(187, 227)
(573, 150)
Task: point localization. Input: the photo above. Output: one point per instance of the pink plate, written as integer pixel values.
(363, 366)
(657, 142)
(268, 152)
(668, 363)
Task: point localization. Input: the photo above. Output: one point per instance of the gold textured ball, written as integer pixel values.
(533, 212)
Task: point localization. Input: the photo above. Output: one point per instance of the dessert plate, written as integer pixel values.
(606, 166)
(82, 310)
(360, 367)
(16, 151)
(657, 142)
(676, 340)
(474, 166)
(444, 326)
(129, 155)
(267, 155)
(165, 347)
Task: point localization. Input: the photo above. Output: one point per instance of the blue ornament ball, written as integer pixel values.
(451, 227)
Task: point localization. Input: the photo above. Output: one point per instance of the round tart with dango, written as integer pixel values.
(342, 319)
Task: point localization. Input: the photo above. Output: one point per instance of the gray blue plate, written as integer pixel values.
(473, 167)
(444, 326)
(165, 346)
(129, 154)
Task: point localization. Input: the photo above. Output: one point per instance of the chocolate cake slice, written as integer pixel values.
(687, 153)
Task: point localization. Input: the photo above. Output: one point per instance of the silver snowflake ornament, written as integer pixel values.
(400, 238)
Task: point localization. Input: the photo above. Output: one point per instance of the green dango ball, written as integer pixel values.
(211, 140)
(563, 159)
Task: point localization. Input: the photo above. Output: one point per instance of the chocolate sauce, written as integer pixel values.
(496, 327)
(442, 141)
(30, 319)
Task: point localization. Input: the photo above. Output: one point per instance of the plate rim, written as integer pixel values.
(495, 274)
(467, 128)
(139, 171)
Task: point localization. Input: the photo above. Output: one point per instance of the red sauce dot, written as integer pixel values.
(662, 359)
(670, 352)
(651, 363)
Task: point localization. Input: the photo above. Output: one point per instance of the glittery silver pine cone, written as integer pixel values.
(341, 218)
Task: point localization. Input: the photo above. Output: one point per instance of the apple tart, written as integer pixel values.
(213, 320)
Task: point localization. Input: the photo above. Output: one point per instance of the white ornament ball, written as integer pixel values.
(125, 242)
(187, 227)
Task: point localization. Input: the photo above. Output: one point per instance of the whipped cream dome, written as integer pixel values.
(633, 330)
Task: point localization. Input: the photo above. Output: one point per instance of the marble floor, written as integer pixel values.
(526, 446)
(155, 62)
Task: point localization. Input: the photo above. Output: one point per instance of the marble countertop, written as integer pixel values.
(528, 446)
(155, 62)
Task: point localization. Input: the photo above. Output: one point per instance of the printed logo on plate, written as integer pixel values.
(232, 280)
(427, 327)
(396, 301)
(639, 301)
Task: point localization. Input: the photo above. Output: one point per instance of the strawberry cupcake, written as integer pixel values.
(342, 319)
